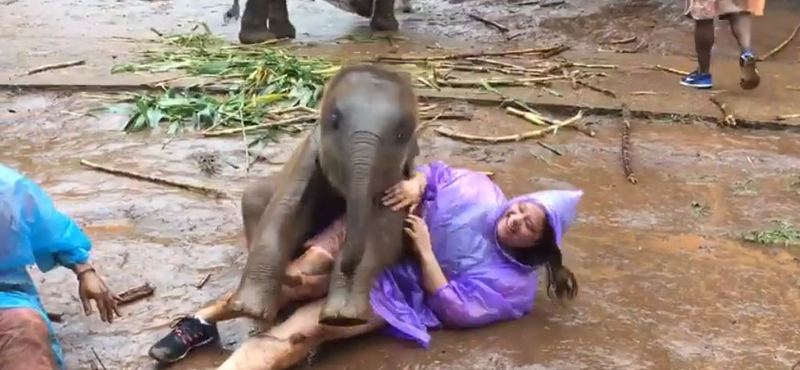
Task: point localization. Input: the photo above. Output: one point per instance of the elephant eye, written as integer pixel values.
(335, 118)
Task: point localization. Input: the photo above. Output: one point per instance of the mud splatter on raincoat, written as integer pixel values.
(461, 209)
(32, 232)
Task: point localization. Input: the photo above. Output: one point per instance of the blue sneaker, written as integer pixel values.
(697, 80)
(750, 78)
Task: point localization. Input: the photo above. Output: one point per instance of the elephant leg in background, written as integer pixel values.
(383, 18)
(279, 23)
(253, 28)
(291, 341)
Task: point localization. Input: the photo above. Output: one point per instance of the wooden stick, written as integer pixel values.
(591, 66)
(644, 93)
(626, 40)
(471, 55)
(502, 82)
(494, 24)
(98, 359)
(728, 119)
(550, 148)
(555, 51)
(783, 44)
(528, 116)
(496, 62)
(134, 294)
(787, 116)
(508, 138)
(670, 70)
(195, 188)
(626, 154)
(595, 88)
(237, 130)
(48, 67)
(793, 88)
(203, 281)
(551, 3)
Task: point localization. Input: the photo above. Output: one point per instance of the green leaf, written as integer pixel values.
(154, 117)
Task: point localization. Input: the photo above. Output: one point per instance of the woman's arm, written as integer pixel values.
(433, 278)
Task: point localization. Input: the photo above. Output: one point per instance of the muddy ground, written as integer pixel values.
(666, 282)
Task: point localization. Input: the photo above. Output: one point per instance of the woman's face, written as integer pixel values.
(522, 225)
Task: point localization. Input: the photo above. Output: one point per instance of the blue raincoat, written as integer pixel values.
(32, 231)
(461, 209)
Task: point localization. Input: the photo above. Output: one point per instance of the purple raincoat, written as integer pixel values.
(461, 209)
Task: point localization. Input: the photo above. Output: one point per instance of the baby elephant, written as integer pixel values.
(364, 143)
(269, 19)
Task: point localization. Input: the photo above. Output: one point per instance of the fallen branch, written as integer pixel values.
(49, 67)
(203, 281)
(638, 47)
(670, 70)
(528, 116)
(238, 130)
(596, 88)
(626, 154)
(195, 188)
(552, 3)
(494, 24)
(782, 45)
(793, 88)
(470, 55)
(644, 93)
(787, 116)
(555, 51)
(508, 138)
(590, 66)
(728, 119)
(134, 294)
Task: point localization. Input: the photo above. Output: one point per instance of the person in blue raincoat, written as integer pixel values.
(32, 232)
(478, 256)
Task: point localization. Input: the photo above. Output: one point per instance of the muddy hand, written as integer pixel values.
(91, 287)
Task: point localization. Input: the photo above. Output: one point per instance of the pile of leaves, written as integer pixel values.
(782, 234)
(264, 79)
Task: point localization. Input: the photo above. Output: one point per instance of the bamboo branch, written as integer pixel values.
(728, 119)
(528, 116)
(49, 67)
(237, 130)
(626, 40)
(782, 45)
(787, 116)
(596, 88)
(195, 188)
(509, 138)
(470, 55)
(501, 82)
(670, 70)
(626, 155)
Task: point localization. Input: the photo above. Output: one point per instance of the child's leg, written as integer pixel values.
(703, 43)
(741, 26)
(290, 342)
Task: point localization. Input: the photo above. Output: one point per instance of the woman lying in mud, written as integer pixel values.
(33, 231)
(477, 259)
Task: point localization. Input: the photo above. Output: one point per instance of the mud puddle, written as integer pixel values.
(665, 283)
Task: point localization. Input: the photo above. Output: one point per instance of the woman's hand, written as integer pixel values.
(92, 287)
(405, 193)
(418, 231)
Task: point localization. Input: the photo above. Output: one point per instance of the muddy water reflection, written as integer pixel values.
(662, 286)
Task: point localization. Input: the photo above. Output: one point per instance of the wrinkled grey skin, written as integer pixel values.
(365, 143)
(269, 19)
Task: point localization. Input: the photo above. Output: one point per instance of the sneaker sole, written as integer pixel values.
(165, 361)
(750, 77)
(696, 86)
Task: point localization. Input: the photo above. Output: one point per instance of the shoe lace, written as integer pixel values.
(186, 330)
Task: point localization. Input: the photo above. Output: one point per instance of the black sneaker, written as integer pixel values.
(187, 333)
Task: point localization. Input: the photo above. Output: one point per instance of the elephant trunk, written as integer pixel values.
(360, 196)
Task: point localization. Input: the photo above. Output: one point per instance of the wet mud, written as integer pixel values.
(666, 282)
(663, 286)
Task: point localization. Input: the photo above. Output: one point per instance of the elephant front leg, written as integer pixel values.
(383, 18)
(253, 27)
(279, 23)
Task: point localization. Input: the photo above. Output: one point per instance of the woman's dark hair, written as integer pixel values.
(561, 281)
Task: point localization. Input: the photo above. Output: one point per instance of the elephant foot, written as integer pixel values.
(282, 28)
(384, 23)
(255, 35)
(338, 311)
(252, 300)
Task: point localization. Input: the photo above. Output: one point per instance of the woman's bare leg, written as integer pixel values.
(291, 341)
